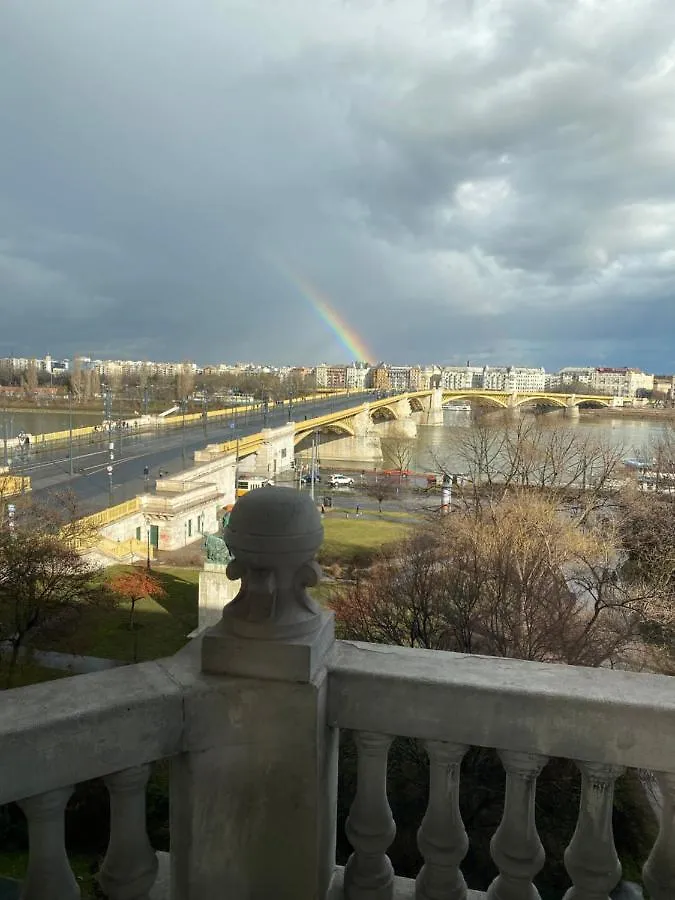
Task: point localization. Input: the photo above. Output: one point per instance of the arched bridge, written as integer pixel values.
(394, 416)
(357, 420)
(504, 400)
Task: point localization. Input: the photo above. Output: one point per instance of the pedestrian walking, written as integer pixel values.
(358, 510)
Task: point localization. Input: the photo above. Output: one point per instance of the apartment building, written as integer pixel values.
(521, 379)
(664, 386)
(516, 379)
(378, 377)
(356, 375)
(619, 382)
(461, 378)
(622, 382)
(572, 374)
(331, 376)
(399, 378)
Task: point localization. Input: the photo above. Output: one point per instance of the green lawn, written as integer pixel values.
(161, 626)
(356, 540)
(30, 673)
(387, 513)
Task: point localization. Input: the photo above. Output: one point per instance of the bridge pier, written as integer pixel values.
(350, 450)
(435, 413)
(572, 411)
(405, 429)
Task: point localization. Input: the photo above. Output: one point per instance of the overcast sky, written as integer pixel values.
(491, 180)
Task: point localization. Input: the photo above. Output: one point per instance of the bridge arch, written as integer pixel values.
(476, 396)
(415, 404)
(337, 429)
(383, 414)
(543, 400)
(595, 403)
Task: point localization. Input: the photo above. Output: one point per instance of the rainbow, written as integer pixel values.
(320, 303)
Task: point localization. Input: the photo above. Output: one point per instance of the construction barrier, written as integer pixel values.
(10, 485)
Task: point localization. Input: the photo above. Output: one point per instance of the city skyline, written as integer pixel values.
(485, 182)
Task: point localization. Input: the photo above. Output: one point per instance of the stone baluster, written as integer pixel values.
(370, 826)
(591, 859)
(130, 865)
(49, 876)
(441, 838)
(515, 846)
(659, 870)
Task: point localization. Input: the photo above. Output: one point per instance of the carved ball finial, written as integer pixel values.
(273, 535)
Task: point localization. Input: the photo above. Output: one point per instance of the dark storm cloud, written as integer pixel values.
(466, 180)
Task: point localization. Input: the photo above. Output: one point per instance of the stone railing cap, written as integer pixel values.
(274, 512)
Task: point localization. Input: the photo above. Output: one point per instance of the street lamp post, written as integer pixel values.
(5, 436)
(312, 471)
(23, 446)
(183, 406)
(108, 423)
(70, 432)
(147, 535)
(119, 426)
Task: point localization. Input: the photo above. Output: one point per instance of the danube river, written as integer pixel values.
(433, 448)
(42, 422)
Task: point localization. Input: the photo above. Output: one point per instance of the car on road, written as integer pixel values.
(307, 479)
(338, 480)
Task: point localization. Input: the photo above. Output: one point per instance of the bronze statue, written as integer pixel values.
(216, 549)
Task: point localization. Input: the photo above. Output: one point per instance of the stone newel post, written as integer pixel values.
(272, 628)
(253, 798)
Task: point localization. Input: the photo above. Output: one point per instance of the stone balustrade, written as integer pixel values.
(250, 713)
(172, 501)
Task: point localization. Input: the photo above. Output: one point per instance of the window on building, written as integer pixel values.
(189, 527)
(138, 533)
(283, 453)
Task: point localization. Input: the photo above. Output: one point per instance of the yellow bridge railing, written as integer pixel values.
(113, 513)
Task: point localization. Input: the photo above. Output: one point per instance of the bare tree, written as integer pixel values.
(77, 380)
(531, 454)
(381, 489)
(399, 452)
(515, 579)
(44, 579)
(31, 377)
(185, 381)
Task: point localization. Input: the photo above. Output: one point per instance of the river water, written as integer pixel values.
(433, 449)
(42, 422)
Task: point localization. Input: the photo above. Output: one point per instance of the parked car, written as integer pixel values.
(338, 480)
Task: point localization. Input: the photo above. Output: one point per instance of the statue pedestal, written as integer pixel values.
(215, 592)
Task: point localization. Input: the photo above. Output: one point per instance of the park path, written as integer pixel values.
(67, 662)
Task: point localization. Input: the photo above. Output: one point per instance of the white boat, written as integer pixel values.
(457, 407)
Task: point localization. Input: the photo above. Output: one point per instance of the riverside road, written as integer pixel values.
(168, 452)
